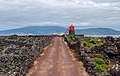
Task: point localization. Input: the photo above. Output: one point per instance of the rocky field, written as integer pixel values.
(100, 56)
(17, 53)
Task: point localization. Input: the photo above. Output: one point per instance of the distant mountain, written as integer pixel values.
(98, 31)
(40, 30)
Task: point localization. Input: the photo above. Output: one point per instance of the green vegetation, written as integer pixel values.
(100, 64)
(2, 69)
(68, 37)
(72, 38)
(92, 42)
(1, 49)
(97, 55)
(99, 61)
(101, 69)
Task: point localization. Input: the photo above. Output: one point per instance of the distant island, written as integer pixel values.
(45, 30)
(98, 31)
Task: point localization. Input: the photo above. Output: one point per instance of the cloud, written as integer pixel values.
(92, 13)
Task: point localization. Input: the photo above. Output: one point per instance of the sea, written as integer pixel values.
(101, 35)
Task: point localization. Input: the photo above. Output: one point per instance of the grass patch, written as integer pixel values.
(95, 55)
(99, 61)
(101, 68)
(100, 64)
(2, 69)
(91, 42)
(1, 49)
(72, 38)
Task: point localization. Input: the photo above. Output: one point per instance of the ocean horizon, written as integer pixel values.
(101, 35)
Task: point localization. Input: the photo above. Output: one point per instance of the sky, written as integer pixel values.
(81, 13)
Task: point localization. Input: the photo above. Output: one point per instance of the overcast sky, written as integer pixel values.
(82, 13)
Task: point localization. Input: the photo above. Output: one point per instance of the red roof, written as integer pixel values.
(71, 28)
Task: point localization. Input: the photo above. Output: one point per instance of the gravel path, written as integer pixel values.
(57, 61)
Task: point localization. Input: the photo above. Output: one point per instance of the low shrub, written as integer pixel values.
(92, 42)
(97, 55)
(101, 68)
(99, 61)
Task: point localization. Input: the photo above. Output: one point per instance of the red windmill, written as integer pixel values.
(72, 30)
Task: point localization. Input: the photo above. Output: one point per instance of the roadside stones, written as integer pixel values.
(89, 64)
(109, 52)
(19, 53)
(115, 70)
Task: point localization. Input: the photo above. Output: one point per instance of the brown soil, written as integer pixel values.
(57, 61)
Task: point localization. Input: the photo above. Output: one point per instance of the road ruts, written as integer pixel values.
(57, 61)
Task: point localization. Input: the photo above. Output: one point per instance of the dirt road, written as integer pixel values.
(57, 61)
